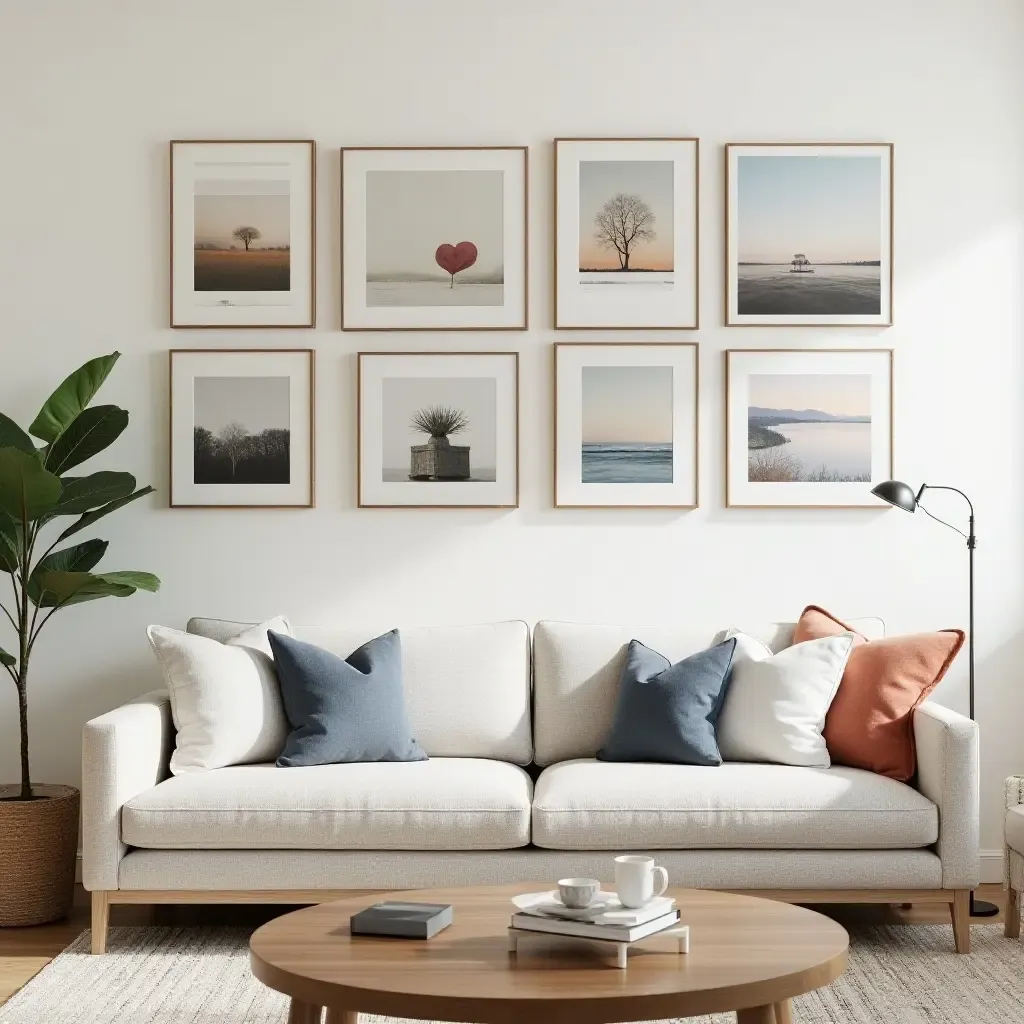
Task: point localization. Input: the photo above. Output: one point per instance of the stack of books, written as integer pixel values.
(606, 918)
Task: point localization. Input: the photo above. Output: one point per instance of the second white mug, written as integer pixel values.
(635, 882)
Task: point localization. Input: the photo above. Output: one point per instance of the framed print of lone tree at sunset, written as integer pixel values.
(809, 235)
(434, 239)
(626, 233)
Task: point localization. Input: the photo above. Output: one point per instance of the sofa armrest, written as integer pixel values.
(948, 774)
(124, 753)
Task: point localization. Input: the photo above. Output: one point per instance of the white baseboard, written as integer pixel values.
(991, 866)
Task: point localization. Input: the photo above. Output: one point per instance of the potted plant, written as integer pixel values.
(439, 459)
(39, 823)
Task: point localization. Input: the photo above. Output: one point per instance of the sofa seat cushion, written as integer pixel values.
(592, 805)
(441, 804)
(1013, 829)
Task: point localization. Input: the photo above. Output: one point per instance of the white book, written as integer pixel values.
(606, 909)
(585, 930)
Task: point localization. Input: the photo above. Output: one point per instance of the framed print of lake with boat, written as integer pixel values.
(808, 428)
(626, 241)
(626, 425)
(434, 239)
(809, 234)
(243, 234)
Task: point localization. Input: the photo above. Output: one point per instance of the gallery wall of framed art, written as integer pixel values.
(242, 234)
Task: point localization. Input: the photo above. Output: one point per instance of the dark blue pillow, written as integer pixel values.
(668, 712)
(343, 710)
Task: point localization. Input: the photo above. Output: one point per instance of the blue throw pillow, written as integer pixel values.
(343, 710)
(668, 712)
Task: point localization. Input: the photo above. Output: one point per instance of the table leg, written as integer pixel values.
(621, 955)
(783, 1012)
(756, 1015)
(342, 1016)
(304, 1013)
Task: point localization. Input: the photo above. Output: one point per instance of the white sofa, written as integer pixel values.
(487, 705)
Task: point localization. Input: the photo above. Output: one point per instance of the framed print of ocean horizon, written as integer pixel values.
(241, 428)
(626, 425)
(438, 429)
(808, 428)
(434, 239)
(626, 236)
(243, 234)
(809, 235)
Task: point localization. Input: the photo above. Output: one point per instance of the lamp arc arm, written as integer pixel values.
(942, 487)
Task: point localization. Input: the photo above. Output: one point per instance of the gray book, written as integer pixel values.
(402, 920)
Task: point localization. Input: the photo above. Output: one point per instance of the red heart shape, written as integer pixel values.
(453, 258)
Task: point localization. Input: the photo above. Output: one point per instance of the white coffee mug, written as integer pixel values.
(634, 880)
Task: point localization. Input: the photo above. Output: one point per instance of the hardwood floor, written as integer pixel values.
(26, 951)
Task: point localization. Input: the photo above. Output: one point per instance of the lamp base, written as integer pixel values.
(980, 908)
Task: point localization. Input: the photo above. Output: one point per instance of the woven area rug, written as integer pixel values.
(898, 974)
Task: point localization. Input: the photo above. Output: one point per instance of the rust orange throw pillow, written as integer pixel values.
(870, 722)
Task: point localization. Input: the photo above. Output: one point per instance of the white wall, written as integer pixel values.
(91, 94)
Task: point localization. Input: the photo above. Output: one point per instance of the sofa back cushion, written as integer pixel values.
(577, 668)
(467, 688)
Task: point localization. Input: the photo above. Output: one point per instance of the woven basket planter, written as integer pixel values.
(38, 843)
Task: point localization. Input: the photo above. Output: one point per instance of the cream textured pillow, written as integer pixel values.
(225, 698)
(775, 704)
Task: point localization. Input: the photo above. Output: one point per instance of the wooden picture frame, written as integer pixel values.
(261, 194)
(595, 287)
(474, 394)
(646, 394)
(412, 218)
(809, 229)
(217, 457)
(841, 431)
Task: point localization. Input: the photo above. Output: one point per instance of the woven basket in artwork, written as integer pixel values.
(38, 844)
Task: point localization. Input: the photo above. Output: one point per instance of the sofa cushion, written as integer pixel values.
(578, 666)
(467, 688)
(1013, 828)
(441, 804)
(593, 805)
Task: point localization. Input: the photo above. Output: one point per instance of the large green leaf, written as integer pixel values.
(90, 517)
(12, 436)
(10, 543)
(77, 391)
(27, 491)
(90, 432)
(79, 558)
(7, 659)
(131, 578)
(81, 494)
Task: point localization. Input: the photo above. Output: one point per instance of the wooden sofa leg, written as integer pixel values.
(960, 911)
(1011, 927)
(100, 920)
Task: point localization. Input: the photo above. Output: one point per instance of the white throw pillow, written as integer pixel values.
(775, 704)
(225, 698)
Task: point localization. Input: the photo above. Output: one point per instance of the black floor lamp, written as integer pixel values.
(902, 496)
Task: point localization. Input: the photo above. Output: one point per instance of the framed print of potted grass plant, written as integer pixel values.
(626, 425)
(626, 238)
(809, 234)
(438, 429)
(434, 239)
(243, 234)
(242, 428)
(808, 428)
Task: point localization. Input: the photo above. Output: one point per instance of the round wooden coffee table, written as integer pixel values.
(748, 955)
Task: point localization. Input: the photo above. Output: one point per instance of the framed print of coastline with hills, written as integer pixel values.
(808, 428)
(809, 234)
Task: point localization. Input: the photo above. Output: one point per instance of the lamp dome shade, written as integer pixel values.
(897, 493)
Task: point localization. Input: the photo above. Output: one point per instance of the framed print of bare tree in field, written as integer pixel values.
(626, 233)
(242, 234)
(242, 428)
(809, 232)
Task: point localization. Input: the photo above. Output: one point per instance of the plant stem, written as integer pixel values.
(24, 627)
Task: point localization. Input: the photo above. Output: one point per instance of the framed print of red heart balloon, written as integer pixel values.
(434, 239)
